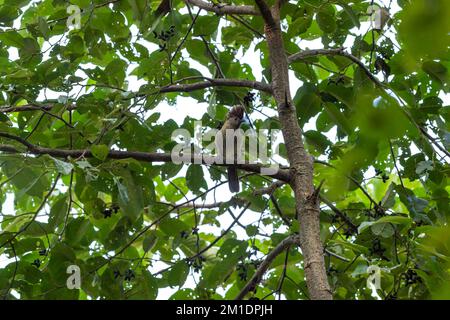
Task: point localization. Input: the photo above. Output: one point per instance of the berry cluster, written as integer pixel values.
(382, 175)
(249, 98)
(196, 263)
(107, 212)
(242, 270)
(411, 277)
(164, 36)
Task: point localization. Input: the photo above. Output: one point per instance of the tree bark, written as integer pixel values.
(307, 203)
(223, 8)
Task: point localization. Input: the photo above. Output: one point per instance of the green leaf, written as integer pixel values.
(148, 287)
(318, 140)
(8, 14)
(63, 167)
(307, 102)
(116, 72)
(424, 166)
(58, 211)
(100, 151)
(436, 70)
(149, 242)
(388, 200)
(338, 118)
(384, 220)
(424, 28)
(287, 205)
(326, 21)
(28, 182)
(169, 170)
(251, 230)
(78, 230)
(11, 38)
(352, 15)
(43, 28)
(30, 49)
(183, 294)
(39, 229)
(386, 230)
(206, 25)
(61, 256)
(178, 274)
(415, 205)
(195, 178)
(352, 246)
(173, 227)
(21, 74)
(130, 195)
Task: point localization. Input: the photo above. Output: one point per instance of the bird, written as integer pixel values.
(233, 121)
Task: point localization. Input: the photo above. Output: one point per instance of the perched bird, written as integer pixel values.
(234, 119)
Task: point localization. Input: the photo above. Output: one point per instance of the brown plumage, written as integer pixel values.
(233, 121)
(236, 111)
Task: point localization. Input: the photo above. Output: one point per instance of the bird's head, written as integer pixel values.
(235, 116)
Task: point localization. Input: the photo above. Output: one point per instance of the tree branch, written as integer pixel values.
(32, 107)
(278, 210)
(270, 189)
(301, 163)
(216, 83)
(222, 8)
(265, 12)
(222, 234)
(334, 52)
(22, 141)
(235, 200)
(339, 214)
(264, 266)
(282, 174)
(208, 83)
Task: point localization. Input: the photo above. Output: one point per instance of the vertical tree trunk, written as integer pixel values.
(301, 163)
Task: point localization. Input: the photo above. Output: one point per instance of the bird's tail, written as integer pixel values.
(233, 180)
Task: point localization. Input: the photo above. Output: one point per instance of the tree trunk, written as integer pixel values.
(301, 164)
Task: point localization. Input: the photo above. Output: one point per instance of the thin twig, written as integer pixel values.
(264, 266)
(223, 234)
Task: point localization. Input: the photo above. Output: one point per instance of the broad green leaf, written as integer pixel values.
(63, 167)
(384, 220)
(59, 211)
(149, 242)
(195, 178)
(386, 230)
(131, 199)
(178, 274)
(317, 140)
(100, 151)
(326, 21)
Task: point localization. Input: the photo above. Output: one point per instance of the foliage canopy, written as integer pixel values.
(381, 141)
